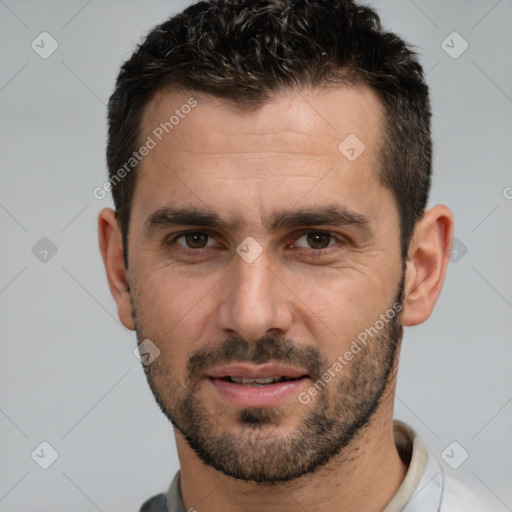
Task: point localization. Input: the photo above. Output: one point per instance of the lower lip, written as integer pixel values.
(269, 395)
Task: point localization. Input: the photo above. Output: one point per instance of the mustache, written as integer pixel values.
(266, 350)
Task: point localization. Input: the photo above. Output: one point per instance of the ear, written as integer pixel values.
(111, 247)
(427, 261)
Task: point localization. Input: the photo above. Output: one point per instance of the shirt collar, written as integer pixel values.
(174, 499)
(422, 487)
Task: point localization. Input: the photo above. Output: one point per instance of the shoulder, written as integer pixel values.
(157, 503)
(170, 501)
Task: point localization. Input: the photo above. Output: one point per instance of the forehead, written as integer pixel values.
(320, 118)
(205, 149)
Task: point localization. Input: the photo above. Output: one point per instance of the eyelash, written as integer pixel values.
(312, 252)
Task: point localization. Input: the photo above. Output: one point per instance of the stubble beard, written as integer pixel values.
(250, 444)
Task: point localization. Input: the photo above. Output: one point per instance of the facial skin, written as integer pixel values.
(316, 285)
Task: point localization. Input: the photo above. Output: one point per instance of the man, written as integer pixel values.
(270, 164)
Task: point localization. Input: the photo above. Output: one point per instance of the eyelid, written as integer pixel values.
(170, 239)
(335, 237)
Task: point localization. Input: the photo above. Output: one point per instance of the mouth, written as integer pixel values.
(267, 385)
(266, 381)
(245, 373)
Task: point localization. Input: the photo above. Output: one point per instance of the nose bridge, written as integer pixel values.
(255, 301)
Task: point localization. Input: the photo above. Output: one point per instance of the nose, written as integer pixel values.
(255, 302)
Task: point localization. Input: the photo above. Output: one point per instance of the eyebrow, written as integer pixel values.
(332, 214)
(186, 217)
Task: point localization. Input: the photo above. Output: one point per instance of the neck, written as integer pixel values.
(364, 476)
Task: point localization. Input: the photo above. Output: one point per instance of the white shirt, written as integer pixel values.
(426, 487)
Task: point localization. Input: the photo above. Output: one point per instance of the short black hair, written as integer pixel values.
(244, 51)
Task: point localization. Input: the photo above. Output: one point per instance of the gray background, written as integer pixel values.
(68, 375)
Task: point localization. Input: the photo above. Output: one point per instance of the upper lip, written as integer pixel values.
(249, 371)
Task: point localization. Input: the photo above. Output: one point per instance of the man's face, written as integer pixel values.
(253, 239)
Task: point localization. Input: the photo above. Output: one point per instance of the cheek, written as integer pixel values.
(168, 296)
(171, 311)
(338, 305)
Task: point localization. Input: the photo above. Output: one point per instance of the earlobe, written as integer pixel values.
(426, 264)
(111, 248)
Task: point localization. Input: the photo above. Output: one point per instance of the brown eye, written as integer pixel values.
(318, 243)
(193, 240)
(196, 240)
(319, 240)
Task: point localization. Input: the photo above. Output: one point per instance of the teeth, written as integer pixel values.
(267, 380)
(261, 381)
